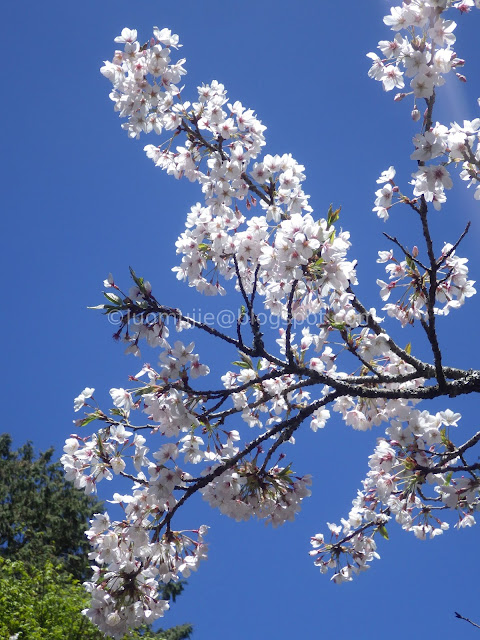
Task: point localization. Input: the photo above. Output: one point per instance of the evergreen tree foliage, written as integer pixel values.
(42, 516)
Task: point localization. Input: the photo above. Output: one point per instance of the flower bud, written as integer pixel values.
(415, 115)
(399, 96)
(460, 77)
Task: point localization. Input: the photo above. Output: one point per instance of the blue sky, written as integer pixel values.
(81, 200)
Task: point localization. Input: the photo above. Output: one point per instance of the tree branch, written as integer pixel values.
(458, 615)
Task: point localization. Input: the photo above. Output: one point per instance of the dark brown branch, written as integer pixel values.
(460, 467)
(258, 346)
(288, 335)
(432, 290)
(427, 122)
(458, 452)
(255, 284)
(421, 367)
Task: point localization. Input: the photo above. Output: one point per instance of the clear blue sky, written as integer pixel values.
(80, 199)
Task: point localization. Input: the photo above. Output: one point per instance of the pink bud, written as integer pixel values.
(415, 115)
(460, 77)
(399, 96)
(415, 252)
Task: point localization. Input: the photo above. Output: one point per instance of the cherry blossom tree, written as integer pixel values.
(255, 239)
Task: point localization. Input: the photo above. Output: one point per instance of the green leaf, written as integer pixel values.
(247, 360)
(144, 390)
(333, 216)
(383, 531)
(338, 325)
(113, 298)
(90, 417)
(242, 365)
(138, 281)
(445, 439)
(410, 263)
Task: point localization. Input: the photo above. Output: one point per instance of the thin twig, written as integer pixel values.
(442, 259)
(406, 252)
(458, 615)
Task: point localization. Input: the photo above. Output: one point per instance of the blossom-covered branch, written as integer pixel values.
(291, 265)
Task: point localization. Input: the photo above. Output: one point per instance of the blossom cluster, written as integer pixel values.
(459, 144)
(415, 440)
(222, 138)
(130, 563)
(129, 566)
(424, 53)
(148, 106)
(451, 292)
(271, 495)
